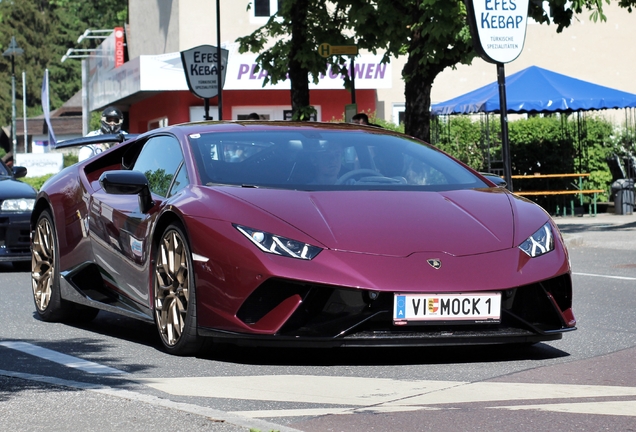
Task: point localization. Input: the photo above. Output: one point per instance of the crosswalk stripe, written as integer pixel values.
(616, 408)
(349, 395)
(251, 423)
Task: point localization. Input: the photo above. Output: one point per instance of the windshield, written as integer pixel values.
(326, 160)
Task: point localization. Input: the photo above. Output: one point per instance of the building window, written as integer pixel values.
(397, 116)
(263, 9)
(247, 116)
(157, 123)
(268, 112)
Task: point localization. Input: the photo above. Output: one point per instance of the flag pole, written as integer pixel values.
(24, 113)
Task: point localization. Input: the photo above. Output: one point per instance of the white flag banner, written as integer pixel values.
(45, 108)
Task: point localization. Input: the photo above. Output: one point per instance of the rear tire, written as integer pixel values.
(174, 293)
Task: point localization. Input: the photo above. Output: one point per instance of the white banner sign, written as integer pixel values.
(498, 28)
(165, 72)
(39, 164)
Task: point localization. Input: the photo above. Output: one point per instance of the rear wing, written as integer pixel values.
(96, 139)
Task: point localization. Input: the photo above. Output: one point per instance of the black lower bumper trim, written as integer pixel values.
(386, 339)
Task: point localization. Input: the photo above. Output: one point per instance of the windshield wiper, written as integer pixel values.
(251, 186)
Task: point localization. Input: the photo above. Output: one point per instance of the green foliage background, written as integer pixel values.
(554, 144)
(45, 29)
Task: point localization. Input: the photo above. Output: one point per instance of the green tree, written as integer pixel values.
(297, 30)
(45, 29)
(433, 34)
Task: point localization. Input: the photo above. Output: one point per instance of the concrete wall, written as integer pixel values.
(154, 27)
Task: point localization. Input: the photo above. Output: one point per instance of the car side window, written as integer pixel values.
(159, 160)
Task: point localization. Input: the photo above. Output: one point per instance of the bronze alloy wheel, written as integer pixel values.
(45, 277)
(43, 257)
(174, 293)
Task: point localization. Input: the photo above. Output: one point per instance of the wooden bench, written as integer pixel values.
(595, 193)
(577, 191)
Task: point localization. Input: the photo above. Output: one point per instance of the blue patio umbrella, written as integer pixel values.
(539, 90)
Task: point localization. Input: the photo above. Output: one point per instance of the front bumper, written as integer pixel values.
(338, 317)
(15, 237)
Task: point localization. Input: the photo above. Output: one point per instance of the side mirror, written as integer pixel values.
(497, 180)
(19, 171)
(128, 183)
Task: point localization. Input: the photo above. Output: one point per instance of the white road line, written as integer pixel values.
(616, 408)
(313, 412)
(153, 400)
(349, 395)
(605, 276)
(501, 391)
(63, 359)
(335, 390)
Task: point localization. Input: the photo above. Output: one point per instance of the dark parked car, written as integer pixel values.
(16, 202)
(300, 234)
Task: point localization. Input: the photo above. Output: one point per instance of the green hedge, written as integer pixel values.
(553, 144)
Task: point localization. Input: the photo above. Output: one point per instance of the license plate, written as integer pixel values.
(466, 308)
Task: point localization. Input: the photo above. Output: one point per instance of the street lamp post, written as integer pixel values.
(12, 51)
(84, 54)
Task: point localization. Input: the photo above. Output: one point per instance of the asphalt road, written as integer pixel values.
(110, 375)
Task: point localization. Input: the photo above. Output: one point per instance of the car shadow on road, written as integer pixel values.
(27, 366)
(380, 356)
(121, 327)
(135, 331)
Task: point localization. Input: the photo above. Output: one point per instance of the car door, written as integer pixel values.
(121, 232)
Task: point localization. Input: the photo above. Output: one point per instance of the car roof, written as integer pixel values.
(253, 125)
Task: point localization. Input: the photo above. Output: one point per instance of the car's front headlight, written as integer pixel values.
(278, 245)
(18, 204)
(539, 243)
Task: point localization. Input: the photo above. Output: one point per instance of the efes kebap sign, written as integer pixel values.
(498, 28)
(201, 67)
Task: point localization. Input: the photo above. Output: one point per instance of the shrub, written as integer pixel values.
(36, 182)
(549, 145)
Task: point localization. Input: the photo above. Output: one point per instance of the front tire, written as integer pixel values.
(45, 276)
(174, 293)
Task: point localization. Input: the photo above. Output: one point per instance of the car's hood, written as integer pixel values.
(398, 223)
(10, 188)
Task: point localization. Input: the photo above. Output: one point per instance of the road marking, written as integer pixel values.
(63, 359)
(156, 401)
(616, 408)
(606, 276)
(350, 395)
(354, 391)
(314, 412)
